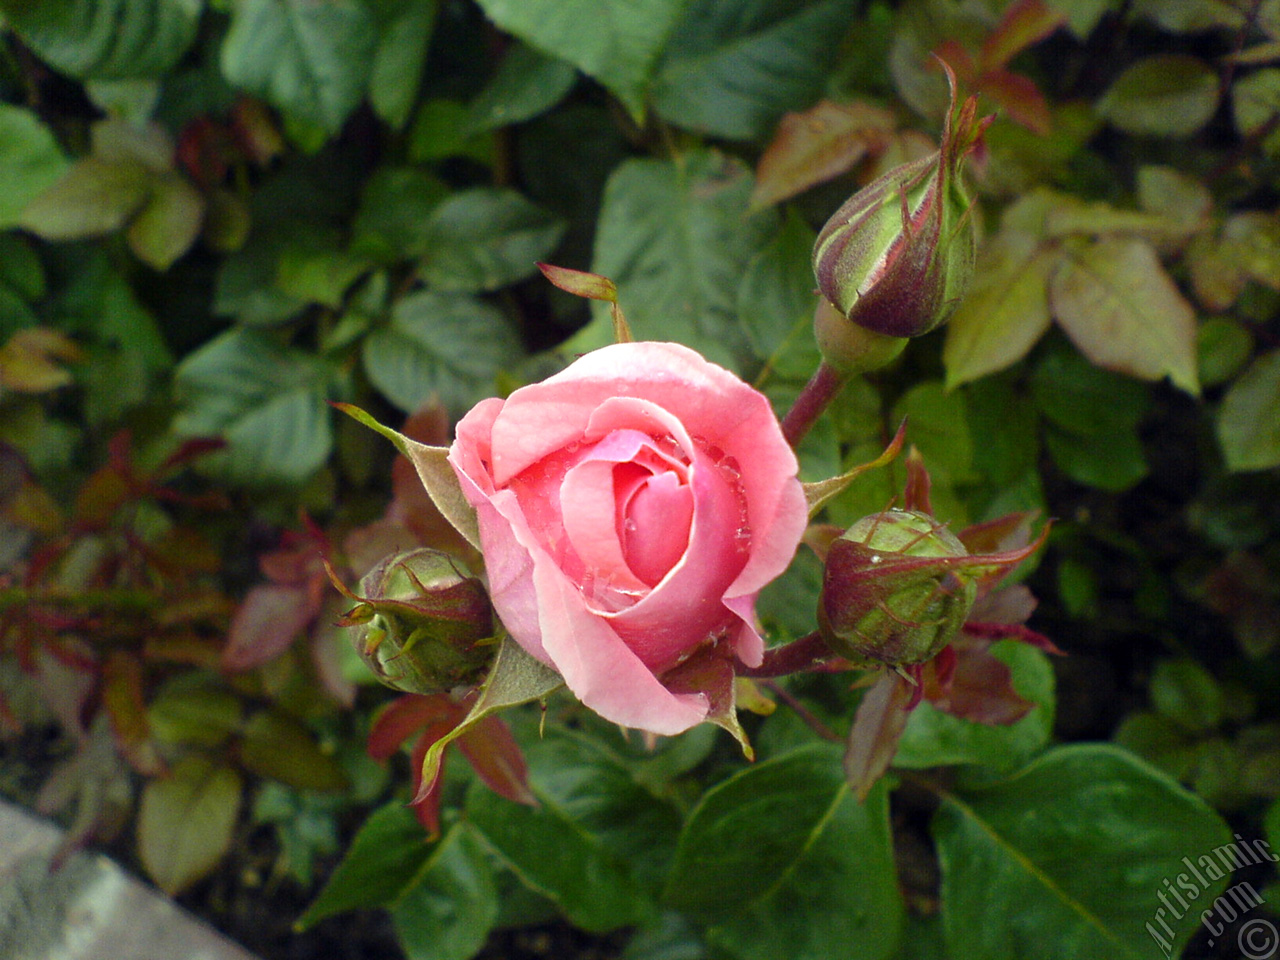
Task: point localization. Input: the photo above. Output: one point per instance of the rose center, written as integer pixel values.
(654, 525)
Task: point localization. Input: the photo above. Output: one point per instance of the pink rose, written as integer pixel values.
(630, 509)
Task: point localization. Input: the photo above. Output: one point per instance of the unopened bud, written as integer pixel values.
(895, 589)
(424, 627)
(897, 257)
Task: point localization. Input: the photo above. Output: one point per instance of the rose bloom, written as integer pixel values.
(630, 509)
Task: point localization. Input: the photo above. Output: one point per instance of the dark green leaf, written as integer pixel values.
(776, 303)
(527, 84)
(1067, 859)
(482, 239)
(382, 862)
(398, 60)
(277, 746)
(267, 402)
(1083, 399)
(311, 60)
(615, 41)
(1107, 461)
(447, 912)
(444, 346)
(106, 39)
(733, 67)
(676, 239)
(579, 846)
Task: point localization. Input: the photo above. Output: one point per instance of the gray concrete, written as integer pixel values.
(90, 909)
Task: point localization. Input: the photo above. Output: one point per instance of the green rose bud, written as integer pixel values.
(895, 589)
(423, 626)
(897, 257)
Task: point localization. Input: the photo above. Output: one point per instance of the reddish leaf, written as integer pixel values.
(426, 803)
(404, 716)
(877, 727)
(1024, 23)
(916, 494)
(1009, 532)
(980, 688)
(122, 696)
(817, 145)
(1020, 98)
(266, 623)
(496, 758)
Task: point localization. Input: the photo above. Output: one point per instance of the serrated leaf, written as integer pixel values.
(1066, 858)
(588, 842)
(264, 400)
(614, 41)
(676, 240)
(30, 161)
(1249, 418)
(1164, 95)
(482, 239)
(106, 39)
(1122, 310)
(381, 863)
(733, 67)
(439, 346)
(310, 60)
(781, 860)
(186, 822)
(447, 913)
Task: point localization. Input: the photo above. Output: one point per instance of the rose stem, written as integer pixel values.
(817, 394)
(799, 709)
(803, 654)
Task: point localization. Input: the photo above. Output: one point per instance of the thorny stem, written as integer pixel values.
(804, 654)
(823, 387)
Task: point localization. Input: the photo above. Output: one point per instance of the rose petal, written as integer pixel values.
(656, 526)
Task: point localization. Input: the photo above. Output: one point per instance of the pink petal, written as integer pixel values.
(656, 526)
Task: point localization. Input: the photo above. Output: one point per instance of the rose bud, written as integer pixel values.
(897, 257)
(424, 627)
(895, 589)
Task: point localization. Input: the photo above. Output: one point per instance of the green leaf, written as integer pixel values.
(1107, 461)
(591, 840)
(935, 739)
(1122, 310)
(1255, 99)
(1004, 312)
(1083, 399)
(782, 861)
(1249, 418)
(676, 239)
(938, 423)
(95, 196)
(264, 400)
(30, 161)
(1067, 859)
(481, 239)
(106, 39)
(1165, 95)
(733, 67)
(776, 302)
(186, 822)
(381, 863)
(515, 678)
(398, 60)
(1186, 692)
(395, 207)
(315, 269)
(277, 746)
(168, 223)
(1223, 347)
(310, 60)
(614, 41)
(527, 84)
(447, 913)
(191, 709)
(439, 346)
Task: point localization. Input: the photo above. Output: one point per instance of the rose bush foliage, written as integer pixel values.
(631, 508)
